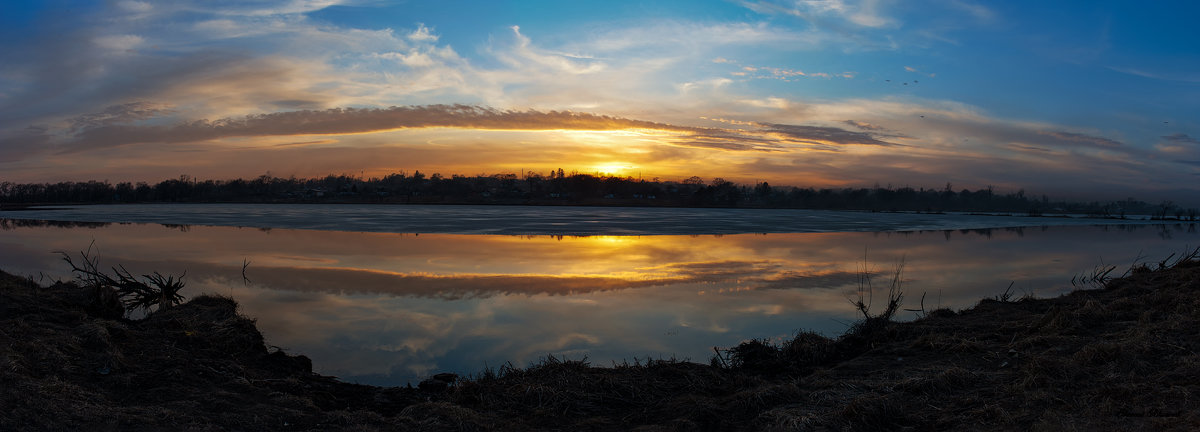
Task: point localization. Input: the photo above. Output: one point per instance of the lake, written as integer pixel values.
(388, 295)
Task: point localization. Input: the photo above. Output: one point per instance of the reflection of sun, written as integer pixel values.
(614, 240)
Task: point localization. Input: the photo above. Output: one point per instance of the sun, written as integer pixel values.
(613, 168)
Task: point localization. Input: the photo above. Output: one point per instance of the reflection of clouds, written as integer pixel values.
(759, 274)
(713, 271)
(793, 279)
(7, 224)
(449, 287)
(278, 259)
(357, 335)
(763, 309)
(749, 275)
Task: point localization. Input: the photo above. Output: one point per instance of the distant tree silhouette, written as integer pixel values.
(557, 188)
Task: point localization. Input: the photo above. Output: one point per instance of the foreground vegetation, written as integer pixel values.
(559, 188)
(1120, 357)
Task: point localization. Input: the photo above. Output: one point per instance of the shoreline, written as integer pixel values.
(558, 220)
(1115, 358)
(595, 204)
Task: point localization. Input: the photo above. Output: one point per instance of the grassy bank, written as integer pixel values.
(1123, 357)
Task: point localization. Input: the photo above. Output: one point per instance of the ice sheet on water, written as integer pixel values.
(535, 220)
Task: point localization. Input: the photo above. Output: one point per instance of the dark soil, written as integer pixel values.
(1119, 358)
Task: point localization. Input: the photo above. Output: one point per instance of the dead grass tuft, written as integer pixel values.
(875, 413)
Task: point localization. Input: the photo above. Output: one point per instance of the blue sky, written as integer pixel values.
(1073, 99)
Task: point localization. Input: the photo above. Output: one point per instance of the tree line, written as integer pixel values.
(559, 188)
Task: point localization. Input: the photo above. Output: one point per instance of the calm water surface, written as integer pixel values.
(389, 308)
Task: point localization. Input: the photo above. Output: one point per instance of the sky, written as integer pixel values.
(1073, 99)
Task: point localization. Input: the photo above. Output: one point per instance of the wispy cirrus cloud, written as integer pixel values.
(865, 13)
(1181, 138)
(1156, 75)
(778, 73)
(1082, 139)
(872, 24)
(1181, 148)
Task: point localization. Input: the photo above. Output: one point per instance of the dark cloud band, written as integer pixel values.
(111, 128)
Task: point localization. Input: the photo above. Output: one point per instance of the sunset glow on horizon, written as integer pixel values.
(1078, 100)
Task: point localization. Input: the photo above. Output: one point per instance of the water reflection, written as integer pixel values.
(387, 308)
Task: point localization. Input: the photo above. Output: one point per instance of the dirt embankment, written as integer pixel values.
(1119, 358)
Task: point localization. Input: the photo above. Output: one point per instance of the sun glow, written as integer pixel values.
(614, 168)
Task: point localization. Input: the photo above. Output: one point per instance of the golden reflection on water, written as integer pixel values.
(390, 308)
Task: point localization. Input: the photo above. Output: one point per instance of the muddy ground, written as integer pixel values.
(1123, 357)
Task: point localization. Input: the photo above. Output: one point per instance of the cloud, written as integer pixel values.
(350, 121)
(266, 7)
(1156, 75)
(714, 83)
(109, 128)
(822, 134)
(765, 136)
(978, 11)
(524, 52)
(1182, 148)
(674, 38)
(77, 80)
(637, 66)
(945, 141)
(864, 125)
(118, 43)
(135, 75)
(779, 73)
(873, 24)
(118, 114)
(770, 102)
(218, 68)
(422, 34)
(1182, 139)
(24, 144)
(216, 60)
(1092, 141)
(135, 6)
(866, 13)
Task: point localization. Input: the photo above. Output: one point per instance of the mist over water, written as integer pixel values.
(389, 308)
